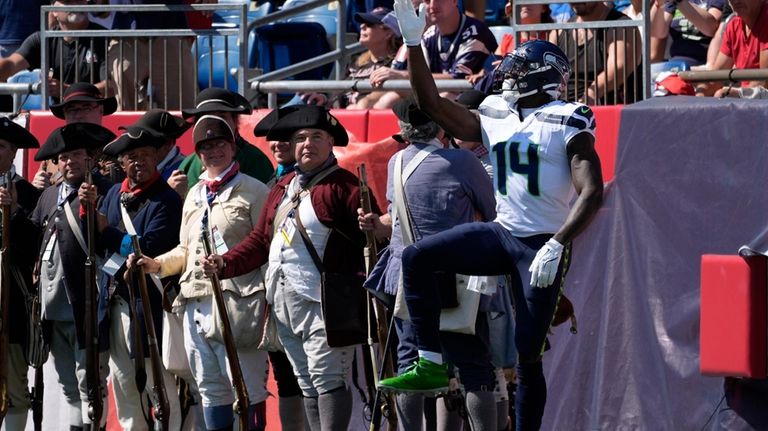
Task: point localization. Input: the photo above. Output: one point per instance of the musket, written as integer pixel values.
(37, 399)
(242, 403)
(162, 409)
(92, 377)
(5, 296)
(383, 366)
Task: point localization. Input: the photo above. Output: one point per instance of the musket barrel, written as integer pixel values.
(162, 409)
(238, 381)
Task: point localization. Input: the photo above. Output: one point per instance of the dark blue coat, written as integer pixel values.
(156, 215)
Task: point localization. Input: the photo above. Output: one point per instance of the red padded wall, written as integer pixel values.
(734, 326)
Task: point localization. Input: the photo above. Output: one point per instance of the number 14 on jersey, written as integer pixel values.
(508, 156)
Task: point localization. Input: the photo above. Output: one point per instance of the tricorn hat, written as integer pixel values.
(17, 135)
(269, 120)
(210, 127)
(72, 137)
(309, 117)
(407, 110)
(84, 92)
(215, 99)
(160, 123)
(132, 139)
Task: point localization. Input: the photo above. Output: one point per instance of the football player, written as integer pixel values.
(543, 155)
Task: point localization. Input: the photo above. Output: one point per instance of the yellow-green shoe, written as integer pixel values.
(424, 377)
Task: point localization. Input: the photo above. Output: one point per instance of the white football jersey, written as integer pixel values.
(532, 175)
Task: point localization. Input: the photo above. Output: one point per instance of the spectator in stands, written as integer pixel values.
(22, 198)
(745, 42)
(227, 204)
(690, 24)
(527, 14)
(164, 125)
(136, 83)
(608, 55)
(229, 106)
(63, 281)
(70, 59)
(111, 19)
(455, 47)
(314, 208)
(18, 19)
(143, 205)
(381, 35)
(561, 12)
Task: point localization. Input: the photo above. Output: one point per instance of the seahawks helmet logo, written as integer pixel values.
(556, 61)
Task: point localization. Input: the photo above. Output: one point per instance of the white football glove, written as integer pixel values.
(411, 25)
(544, 266)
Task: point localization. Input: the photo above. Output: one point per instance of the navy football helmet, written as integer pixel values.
(537, 66)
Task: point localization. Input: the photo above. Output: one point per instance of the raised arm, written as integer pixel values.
(452, 117)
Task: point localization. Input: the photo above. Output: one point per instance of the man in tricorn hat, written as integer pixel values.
(143, 205)
(169, 128)
(21, 197)
(62, 278)
(229, 106)
(312, 209)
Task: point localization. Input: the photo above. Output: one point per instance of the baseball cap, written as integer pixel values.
(380, 15)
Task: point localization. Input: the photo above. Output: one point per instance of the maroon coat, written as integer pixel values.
(335, 200)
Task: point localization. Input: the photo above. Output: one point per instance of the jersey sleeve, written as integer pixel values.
(581, 119)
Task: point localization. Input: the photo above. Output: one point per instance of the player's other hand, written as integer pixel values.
(544, 266)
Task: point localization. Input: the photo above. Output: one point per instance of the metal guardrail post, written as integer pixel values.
(44, 59)
(243, 49)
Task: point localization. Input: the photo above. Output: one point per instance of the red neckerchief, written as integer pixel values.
(215, 185)
(139, 189)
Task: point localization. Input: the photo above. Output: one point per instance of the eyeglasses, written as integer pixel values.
(80, 107)
(210, 145)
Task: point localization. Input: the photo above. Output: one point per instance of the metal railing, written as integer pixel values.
(581, 71)
(19, 91)
(730, 75)
(110, 35)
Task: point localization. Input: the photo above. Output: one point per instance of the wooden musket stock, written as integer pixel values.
(242, 403)
(162, 409)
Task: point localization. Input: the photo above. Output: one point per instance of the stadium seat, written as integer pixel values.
(216, 77)
(283, 44)
(325, 15)
(30, 101)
